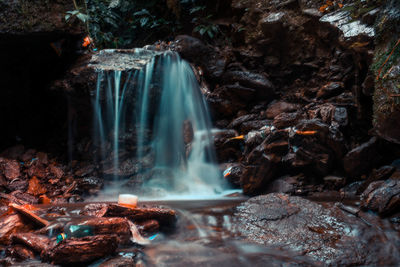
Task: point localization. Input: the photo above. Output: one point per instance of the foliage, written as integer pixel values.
(202, 20)
(119, 23)
(122, 23)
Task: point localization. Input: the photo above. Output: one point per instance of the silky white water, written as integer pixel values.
(153, 122)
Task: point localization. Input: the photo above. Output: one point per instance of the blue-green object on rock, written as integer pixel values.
(75, 231)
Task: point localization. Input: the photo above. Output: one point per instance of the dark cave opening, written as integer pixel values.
(32, 114)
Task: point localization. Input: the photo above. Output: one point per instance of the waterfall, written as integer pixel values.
(151, 123)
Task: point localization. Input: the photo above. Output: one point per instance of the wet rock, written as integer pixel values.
(350, 28)
(164, 215)
(37, 243)
(329, 137)
(240, 93)
(334, 182)
(284, 120)
(81, 250)
(330, 89)
(20, 252)
(264, 87)
(325, 234)
(9, 225)
(340, 116)
(260, 168)
(149, 226)
(24, 197)
(369, 18)
(190, 47)
(233, 173)
(56, 171)
(10, 168)
(285, 185)
(222, 108)
(253, 139)
(387, 108)
(382, 197)
(312, 12)
(248, 126)
(272, 24)
(89, 184)
(18, 184)
(362, 158)
(226, 148)
(188, 133)
(85, 170)
(110, 226)
(120, 261)
(125, 169)
(37, 169)
(382, 173)
(237, 122)
(276, 108)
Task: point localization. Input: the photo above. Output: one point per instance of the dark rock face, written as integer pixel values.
(387, 76)
(382, 197)
(325, 234)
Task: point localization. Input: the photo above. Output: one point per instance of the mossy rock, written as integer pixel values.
(386, 68)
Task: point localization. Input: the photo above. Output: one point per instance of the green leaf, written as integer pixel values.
(73, 12)
(210, 34)
(82, 17)
(196, 9)
(142, 12)
(214, 28)
(143, 21)
(202, 31)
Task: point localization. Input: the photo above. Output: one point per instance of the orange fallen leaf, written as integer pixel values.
(323, 8)
(43, 199)
(358, 44)
(87, 41)
(240, 137)
(35, 188)
(306, 132)
(340, 5)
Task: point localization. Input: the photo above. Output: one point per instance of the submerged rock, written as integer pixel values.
(325, 234)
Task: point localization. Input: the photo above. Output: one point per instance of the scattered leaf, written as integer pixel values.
(87, 41)
(35, 188)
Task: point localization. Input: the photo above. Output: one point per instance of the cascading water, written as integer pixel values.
(152, 121)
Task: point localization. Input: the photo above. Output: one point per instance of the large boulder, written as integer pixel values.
(362, 159)
(382, 197)
(325, 234)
